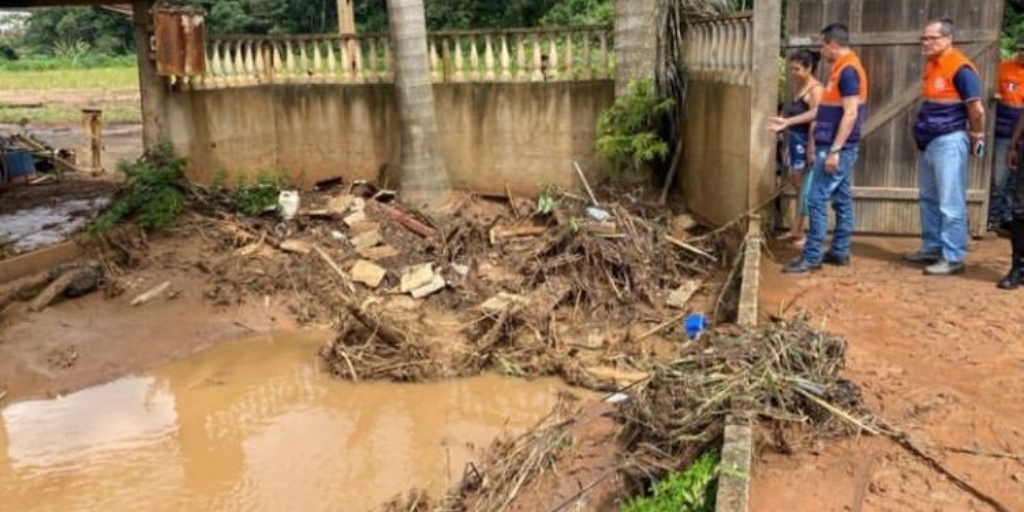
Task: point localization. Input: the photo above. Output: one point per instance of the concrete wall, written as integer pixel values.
(493, 135)
(716, 155)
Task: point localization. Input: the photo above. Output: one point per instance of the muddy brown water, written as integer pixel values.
(253, 425)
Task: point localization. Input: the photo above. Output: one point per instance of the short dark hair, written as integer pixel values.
(806, 58)
(946, 25)
(836, 33)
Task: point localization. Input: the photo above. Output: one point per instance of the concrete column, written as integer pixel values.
(152, 88)
(346, 17)
(636, 41)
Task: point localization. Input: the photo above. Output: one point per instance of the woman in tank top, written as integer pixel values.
(797, 120)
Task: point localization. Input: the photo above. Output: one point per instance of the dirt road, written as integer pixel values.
(941, 358)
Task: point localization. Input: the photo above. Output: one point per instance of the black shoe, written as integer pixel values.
(945, 268)
(927, 258)
(1013, 280)
(800, 266)
(832, 258)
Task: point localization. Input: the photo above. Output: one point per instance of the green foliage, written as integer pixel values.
(155, 193)
(579, 12)
(692, 490)
(259, 197)
(628, 131)
(78, 30)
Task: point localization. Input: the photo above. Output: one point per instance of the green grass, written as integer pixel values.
(118, 77)
(59, 114)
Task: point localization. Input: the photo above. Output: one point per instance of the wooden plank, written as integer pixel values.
(904, 38)
(905, 100)
(898, 194)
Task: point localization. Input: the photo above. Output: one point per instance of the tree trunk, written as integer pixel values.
(636, 42)
(423, 178)
(151, 86)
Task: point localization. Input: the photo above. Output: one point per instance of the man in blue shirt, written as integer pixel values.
(834, 144)
(950, 126)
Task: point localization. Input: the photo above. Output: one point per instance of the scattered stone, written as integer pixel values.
(368, 273)
(362, 227)
(435, 285)
(403, 303)
(340, 205)
(296, 247)
(681, 224)
(355, 218)
(462, 270)
(380, 252)
(681, 296)
(417, 276)
(503, 301)
(338, 235)
(86, 281)
(366, 240)
(358, 204)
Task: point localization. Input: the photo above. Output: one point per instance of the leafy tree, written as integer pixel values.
(51, 30)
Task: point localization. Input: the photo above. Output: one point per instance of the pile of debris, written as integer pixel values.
(785, 377)
(508, 289)
(784, 374)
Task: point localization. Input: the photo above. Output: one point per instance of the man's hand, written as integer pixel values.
(977, 142)
(1012, 158)
(777, 124)
(832, 163)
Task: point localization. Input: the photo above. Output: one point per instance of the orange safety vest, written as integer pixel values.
(830, 110)
(1010, 96)
(943, 111)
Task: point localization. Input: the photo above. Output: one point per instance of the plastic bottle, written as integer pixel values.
(289, 201)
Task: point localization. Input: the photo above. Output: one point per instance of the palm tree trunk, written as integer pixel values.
(423, 178)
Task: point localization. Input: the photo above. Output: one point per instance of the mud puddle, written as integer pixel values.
(253, 425)
(41, 226)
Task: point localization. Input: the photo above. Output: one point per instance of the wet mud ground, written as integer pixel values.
(940, 358)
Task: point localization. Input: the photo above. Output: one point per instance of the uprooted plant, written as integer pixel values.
(155, 193)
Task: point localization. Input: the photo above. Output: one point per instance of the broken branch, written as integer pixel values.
(683, 245)
(408, 222)
(151, 294)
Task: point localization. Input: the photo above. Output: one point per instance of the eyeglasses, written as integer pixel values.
(931, 39)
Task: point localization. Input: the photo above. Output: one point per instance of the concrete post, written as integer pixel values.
(152, 88)
(636, 42)
(347, 26)
(764, 78)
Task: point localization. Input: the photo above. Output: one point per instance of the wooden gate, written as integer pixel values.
(885, 33)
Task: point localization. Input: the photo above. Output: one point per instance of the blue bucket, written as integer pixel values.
(19, 163)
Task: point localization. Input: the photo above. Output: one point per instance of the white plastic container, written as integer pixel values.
(289, 201)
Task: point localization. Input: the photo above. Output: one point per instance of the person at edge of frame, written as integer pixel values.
(950, 125)
(1015, 277)
(835, 137)
(1009, 106)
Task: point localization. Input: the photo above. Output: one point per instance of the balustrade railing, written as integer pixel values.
(720, 49)
(541, 54)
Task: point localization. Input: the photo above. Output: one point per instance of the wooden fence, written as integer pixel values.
(885, 33)
(517, 55)
(732, 75)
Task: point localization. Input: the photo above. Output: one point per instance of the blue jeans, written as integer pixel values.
(837, 188)
(1000, 199)
(942, 175)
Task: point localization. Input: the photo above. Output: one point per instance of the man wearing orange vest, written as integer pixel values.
(950, 126)
(1009, 106)
(835, 135)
